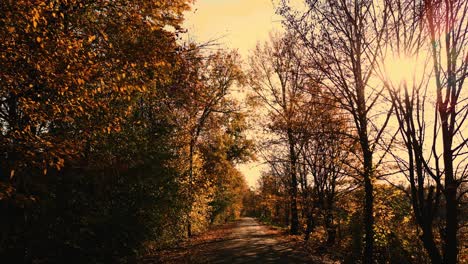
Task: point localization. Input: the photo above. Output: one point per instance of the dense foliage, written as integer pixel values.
(99, 102)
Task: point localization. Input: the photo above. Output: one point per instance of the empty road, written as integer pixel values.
(250, 242)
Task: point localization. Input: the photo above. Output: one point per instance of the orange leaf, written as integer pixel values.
(91, 38)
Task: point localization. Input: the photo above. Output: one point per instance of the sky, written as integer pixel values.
(234, 24)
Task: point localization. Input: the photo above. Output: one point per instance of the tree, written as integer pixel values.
(63, 65)
(276, 79)
(431, 175)
(222, 148)
(325, 154)
(100, 101)
(214, 76)
(343, 39)
(450, 17)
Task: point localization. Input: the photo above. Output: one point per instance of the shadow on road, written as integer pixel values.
(249, 242)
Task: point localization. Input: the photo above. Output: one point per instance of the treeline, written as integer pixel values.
(117, 138)
(364, 111)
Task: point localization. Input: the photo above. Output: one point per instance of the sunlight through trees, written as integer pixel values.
(121, 139)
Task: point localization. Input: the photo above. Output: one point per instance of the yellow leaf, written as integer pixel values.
(34, 23)
(38, 39)
(91, 38)
(45, 171)
(12, 173)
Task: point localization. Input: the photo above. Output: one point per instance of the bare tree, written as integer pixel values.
(437, 31)
(447, 22)
(343, 39)
(325, 154)
(276, 80)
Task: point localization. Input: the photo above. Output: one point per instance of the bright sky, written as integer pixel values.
(234, 24)
(237, 24)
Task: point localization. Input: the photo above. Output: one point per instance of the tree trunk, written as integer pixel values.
(191, 152)
(294, 214)
(451, 227)
(331, 229)
(368, 209)
(446, 107)
(310, 226)
(429, 244)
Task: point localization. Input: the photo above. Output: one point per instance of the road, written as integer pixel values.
(250, 242)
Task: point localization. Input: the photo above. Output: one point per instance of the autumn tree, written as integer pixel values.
(214, 76)
(343, 39)
(65, 63)
(276, 79)
(325, 154)
(90, 93)
(272, 196)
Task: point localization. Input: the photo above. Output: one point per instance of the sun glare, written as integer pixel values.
(400, 70)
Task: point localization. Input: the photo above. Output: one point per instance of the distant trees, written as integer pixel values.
(326, 160)
(211, 80)
(276, 78)
(307, 126)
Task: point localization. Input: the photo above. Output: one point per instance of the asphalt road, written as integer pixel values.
(250, 242)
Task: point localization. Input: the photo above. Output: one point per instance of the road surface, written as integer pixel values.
(250, 242)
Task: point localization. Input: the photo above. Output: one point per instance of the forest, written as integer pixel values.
(121, 138)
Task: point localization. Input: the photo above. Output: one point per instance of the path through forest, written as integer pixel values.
(247, 241)
(250, 242)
